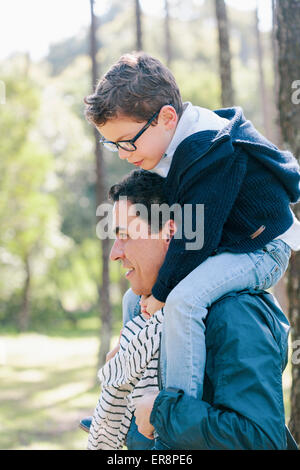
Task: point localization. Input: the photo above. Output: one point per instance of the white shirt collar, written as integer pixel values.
(194, 119)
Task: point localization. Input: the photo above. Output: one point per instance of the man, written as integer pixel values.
(246, 341)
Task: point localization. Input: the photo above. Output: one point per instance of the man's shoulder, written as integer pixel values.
(246, 304)
(247, 315)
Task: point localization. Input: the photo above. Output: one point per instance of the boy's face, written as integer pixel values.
(151, 145)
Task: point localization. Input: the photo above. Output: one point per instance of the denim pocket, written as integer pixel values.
(272, 265)
(280, 253)
(271, 278)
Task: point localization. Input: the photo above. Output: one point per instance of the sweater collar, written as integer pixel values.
(194, 119)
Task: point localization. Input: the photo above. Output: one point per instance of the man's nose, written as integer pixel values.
(117, 250)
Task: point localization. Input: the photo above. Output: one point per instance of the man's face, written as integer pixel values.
(139, 253)
(151, 145)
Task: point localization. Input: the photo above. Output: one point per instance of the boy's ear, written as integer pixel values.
(168, 116)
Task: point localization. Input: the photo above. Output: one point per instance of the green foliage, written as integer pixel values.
(63, 53)
(48, 213)
(47, 163)
(18, 115)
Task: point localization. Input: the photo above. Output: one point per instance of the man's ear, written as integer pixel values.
(169, 230)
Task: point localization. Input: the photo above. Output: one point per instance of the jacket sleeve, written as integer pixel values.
(216, 189)
(244, 367)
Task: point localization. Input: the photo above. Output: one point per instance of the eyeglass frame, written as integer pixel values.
(131, 141)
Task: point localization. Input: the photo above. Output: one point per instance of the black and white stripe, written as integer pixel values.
(130, 374)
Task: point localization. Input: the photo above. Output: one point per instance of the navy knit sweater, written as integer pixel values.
(244, 182)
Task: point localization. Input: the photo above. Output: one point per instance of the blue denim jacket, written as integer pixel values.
(242, 405)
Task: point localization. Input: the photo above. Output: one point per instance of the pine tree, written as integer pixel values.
(103, 288)
(262, 82)
(138, 17)
(224, 54)
(168, 35)
(288, 27)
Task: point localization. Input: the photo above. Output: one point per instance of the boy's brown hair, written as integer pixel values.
(137, 85)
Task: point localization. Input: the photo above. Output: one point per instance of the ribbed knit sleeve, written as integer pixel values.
(216, 187)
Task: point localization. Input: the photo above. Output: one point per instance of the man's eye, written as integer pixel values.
(122, 236)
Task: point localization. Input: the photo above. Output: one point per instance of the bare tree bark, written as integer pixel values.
(168, 35)
(288, 27)
(103, 288)
(280, 289)
(27, 64)
(138, 17)
(224, 54)
(24, 312)
(278, 137)
(262, 82)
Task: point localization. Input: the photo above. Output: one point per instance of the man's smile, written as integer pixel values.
(129, 272)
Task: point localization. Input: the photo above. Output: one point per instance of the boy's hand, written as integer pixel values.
(114, 351)
(150, 305)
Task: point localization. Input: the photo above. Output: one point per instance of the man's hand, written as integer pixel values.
(150, 305)
(142, 414)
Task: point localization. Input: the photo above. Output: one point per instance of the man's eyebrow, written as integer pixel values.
(119, 229)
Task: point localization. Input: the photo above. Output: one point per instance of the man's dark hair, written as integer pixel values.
(143, 187)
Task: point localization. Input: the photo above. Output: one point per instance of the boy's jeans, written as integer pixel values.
(183, 338)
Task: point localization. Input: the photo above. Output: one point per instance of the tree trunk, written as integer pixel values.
(227, 95)
(24, 310)
(27, 64)
(288, 27)
(168, 35)
(275, 110)
(103, 288)
(138, 17)
(280, 289)
(262, 84)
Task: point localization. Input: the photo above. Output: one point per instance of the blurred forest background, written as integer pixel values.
(60, 299)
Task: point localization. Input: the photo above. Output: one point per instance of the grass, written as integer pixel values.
(47, 386)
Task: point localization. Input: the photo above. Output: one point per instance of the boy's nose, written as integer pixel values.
(123, 154)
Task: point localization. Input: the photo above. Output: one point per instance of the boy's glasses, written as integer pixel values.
(127, 145)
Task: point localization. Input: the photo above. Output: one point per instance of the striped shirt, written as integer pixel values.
(130, 374)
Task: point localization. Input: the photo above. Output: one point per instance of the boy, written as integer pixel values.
(219, 160)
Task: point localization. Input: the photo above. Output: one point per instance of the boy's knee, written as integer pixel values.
(177, 296)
